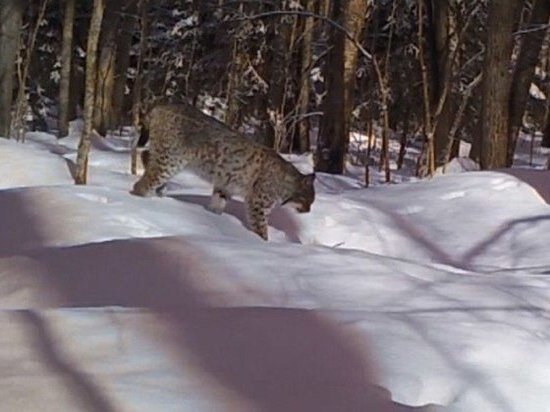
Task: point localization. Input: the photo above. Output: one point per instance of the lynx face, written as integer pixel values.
(303, 195)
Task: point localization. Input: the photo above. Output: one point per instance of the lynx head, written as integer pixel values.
(303, 194)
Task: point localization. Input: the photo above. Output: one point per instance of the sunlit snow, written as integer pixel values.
(432, 295)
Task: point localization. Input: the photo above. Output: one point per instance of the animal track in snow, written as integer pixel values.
(504, 184)
(411, 210)
(93, 198)
(453, 195)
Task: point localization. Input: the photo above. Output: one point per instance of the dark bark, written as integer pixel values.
(332, 133)
(11, 14)
(302, 140)
(66, 59)
(103, 110)
(496, 84)
(137, 92)
(340, 76)
(524, 72)
(279, 33)
(122, 59)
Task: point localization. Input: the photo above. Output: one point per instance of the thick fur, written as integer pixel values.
(182, 136)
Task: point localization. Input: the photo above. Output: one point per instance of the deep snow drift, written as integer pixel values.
(432, 295)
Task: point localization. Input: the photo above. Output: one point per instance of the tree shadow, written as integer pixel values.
(281, 359)
(81, 385)
(482, 246)
(438, 254)
(411, 231)
(491, 392)
(539, 180)
(277, 358)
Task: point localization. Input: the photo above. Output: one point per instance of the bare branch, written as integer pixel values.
(337, 25)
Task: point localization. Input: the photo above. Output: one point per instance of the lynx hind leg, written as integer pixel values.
(158, 171)
(256, 215)
(145, 156)
(218, 201)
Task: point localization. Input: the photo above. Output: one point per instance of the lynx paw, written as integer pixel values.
(217, 209)
(217, 203)
(143, 189)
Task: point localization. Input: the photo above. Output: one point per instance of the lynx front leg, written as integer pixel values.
(218, 201)
(158, 171)
(256, 214)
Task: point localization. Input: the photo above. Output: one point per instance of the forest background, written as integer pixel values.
(294, 75)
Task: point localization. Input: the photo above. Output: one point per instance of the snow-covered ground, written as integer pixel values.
(430, 295)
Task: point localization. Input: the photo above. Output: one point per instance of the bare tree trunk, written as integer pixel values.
(103, 118)
(124, 44)
(340, 80)
(66, 59)
(11, 16)
(81, 173)
(232, 116)
(305, 87)
(21, 103)
(404, 139)
(453, 144)
(496, 84)
(445, 39)
(429, 166)
(525, 70)
(332, 133)
(280, 34)
(138, 84)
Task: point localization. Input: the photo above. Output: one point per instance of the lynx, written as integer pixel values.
(182, 136)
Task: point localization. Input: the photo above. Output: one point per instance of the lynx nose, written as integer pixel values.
(304, 209)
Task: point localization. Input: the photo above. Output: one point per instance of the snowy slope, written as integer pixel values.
(432, 295)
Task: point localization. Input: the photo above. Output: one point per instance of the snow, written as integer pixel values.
(431, 295)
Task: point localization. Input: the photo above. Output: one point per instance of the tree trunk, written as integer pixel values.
(442, 31)
(340, 80)
(66, 59)
(124, 44)
(279, 33)
(232, 115)
(525, 70)
(137, 92)
(103, 118)
(496, 84)
(81, 173)
(303, 143)
(11, 15)
(18, 126)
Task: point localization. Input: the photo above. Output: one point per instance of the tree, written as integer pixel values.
(137, 92)
(66, 61)
(103, 110)
(122, 60)
(340, 73)
(442, 41)
(81, 173)
(278, 64)
(497, 80)
(524, 71)
(11, 16)
(23, 68)
(303, 143)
